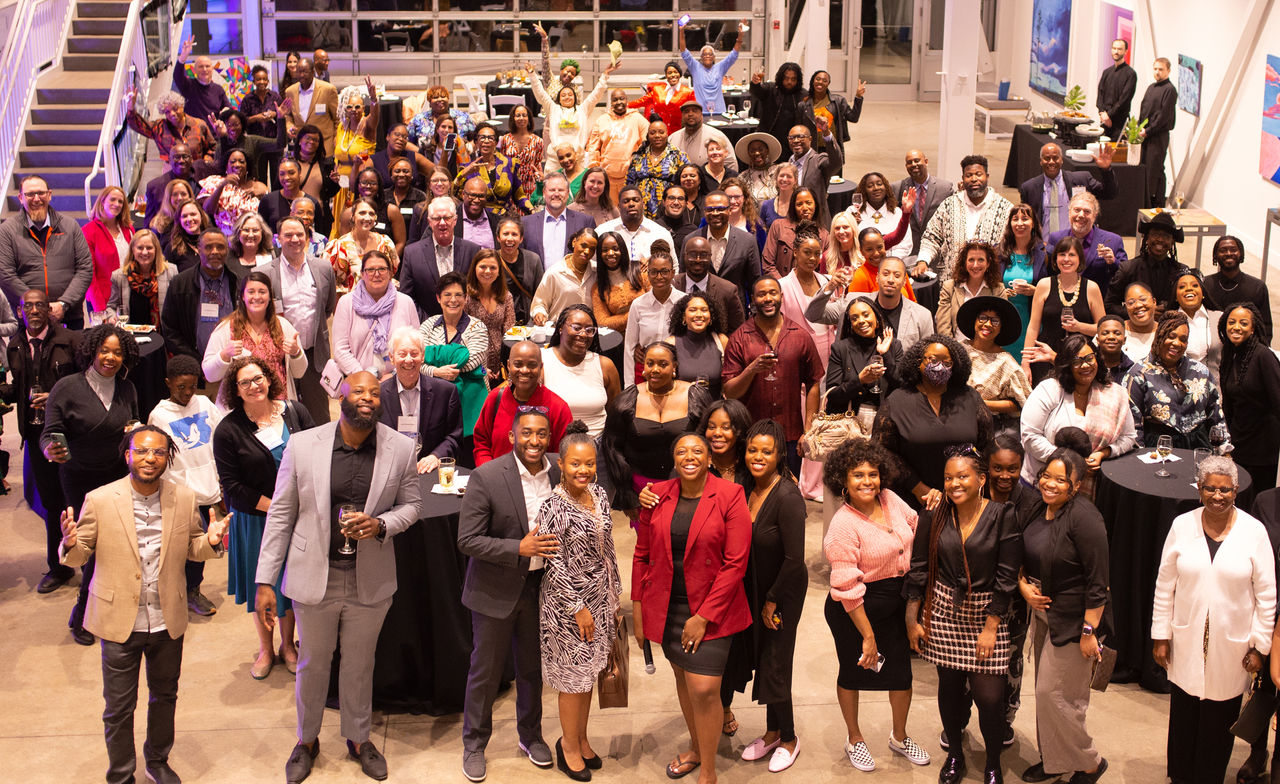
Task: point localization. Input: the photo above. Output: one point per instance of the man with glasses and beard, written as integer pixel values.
(342, 583)
(976, 212)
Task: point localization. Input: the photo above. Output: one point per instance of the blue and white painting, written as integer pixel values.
(1050, 41)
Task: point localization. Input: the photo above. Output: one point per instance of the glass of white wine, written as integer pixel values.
(345, 513)
(1179, 199)
(1164, 448)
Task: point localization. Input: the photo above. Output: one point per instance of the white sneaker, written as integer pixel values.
(909, 749)
(782, 759)
(860, 756)
(758, 749)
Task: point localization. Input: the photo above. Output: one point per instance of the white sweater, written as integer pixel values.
(192, 429)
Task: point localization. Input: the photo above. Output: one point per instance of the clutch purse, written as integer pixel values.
(615, 677)
(1102, 668)
(1255, 713)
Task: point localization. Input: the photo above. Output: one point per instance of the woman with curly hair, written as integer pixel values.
(974, 274)
(255, 328)
(1021, 253)
(698, 330)
(1250, 392)
(227, 197)
(932, 409)
(1173, 395)
(869, 548)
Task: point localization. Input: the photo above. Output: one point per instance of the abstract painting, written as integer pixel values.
(1190, 74)
(1050, 39)
(1117, 22)
(1269, 162)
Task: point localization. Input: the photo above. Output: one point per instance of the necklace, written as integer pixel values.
(1222, 282)
(1075, 295)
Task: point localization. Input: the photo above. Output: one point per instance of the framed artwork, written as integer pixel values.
(1190, 75)
(1117, 22)
(1269, 160)
(1050, 42)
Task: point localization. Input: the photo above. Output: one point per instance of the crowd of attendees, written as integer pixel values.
(696, 309)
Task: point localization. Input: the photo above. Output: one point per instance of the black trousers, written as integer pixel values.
(76, 484)
(1200, 738)
(1154, 149)
(195, 569)
(310, 393)
(491, 640)
(49, 491)
(121, 663)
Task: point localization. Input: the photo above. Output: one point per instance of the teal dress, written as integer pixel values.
(1019, 269)
(246, 540)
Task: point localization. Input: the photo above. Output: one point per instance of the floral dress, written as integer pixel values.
(233, 203)
(528, 158)
(504, 195)
(423, 126)
(1184, 404)
(654, 177)
(343, 254)
(348, 146)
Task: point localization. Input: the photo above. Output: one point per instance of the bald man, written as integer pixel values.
(320, 62)
(930, 193)
(204, 95)
(615, 136)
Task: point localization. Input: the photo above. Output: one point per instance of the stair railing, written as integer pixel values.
(36, 40)
(130, 63)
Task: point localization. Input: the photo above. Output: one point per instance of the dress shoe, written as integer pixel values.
(82, 636)
(538, 751)
(992, 777)
(953, 770)
(1254, 769)
(52, 581)
(783, 758)
(372, 763)
(593, 763)
(582, 774)
(1036, 773)
(161, 773)
(199, 604)
(1089, 778)
(473, 765)
(300, 761)
(759, 749)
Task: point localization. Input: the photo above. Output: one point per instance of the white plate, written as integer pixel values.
(717, 123)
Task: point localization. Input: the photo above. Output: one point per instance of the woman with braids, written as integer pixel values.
(1250, 392)
(964, 571)
(1173, 395)
(354, 142)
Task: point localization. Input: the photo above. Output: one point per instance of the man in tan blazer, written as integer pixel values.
(142, 530)
(313, 101)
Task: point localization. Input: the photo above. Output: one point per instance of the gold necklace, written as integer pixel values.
(1062, 293)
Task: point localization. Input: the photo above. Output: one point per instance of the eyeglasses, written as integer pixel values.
(1085, 361)
(35, 306)
(1129, 303)
(533, 410)
(441, 218)
(252, 382)
(797, 136)
(988, 319)
(715, 209)
(376, 270)
(579, 329)
(34, 194)
(1222, 491)
(144, 452)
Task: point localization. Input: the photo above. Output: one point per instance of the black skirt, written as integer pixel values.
(711, 655)
(887, 612)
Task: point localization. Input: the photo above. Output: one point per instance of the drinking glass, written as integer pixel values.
(448, 468)
(772, 376)
(345, 513)
(1164, 448)
(856, 203)
(878, 362)
(1200, 454)
(37, 414)
(1068, 320)
(1219, 438)
(1179, 199)
(746, 106)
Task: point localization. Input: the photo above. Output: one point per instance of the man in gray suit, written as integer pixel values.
(306, 293)
(340, 575)
(930, 192)
(909, 321)
(501, 589)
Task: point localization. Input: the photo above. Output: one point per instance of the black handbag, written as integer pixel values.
(1255, 713)
(1103, 666)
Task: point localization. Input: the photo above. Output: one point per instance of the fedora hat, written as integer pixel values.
(740, 149)
(1162, 220)
(1010, 321)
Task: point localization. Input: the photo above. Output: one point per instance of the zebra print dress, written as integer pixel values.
(584, 573)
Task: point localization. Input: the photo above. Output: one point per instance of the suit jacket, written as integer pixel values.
(324, 115)
(57, 360)
(818, 171)
(181, 311)
(457, 227)
(715, 559)
(936, 191)
(723, 292)
(574, 222)
(493, 522)
(439, 414)
(296, 537)
(419, 277)
(1032, 191)
(107, 530)
(326, 303)
(741, 265)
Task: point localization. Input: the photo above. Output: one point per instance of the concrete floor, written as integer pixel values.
(234, 729)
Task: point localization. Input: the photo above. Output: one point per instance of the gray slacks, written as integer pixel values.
(491, 640)
(1062, 700)
(339, 614)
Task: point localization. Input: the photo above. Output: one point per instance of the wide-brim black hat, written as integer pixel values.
(1163, 220)
(1010, 320)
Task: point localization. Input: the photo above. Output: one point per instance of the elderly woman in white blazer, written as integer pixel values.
(1212, 619)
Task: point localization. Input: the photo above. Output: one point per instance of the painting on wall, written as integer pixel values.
(1269, 161)
(1117, 22)
(1190, 75)
(1050, 41)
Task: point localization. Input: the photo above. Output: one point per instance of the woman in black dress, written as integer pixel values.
(964, 571)
(776, 581)
(853, 379)
(698, 329)
(1250, 375)
(1064, 291)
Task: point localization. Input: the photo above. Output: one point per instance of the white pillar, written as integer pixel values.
(962, 37)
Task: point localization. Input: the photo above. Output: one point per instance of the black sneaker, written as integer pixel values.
(1036, 773)
(1081, 777)
(199, 604)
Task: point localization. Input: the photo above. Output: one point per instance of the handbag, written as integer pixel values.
(1103, 666)
(615, 676)
(828, 431)
(1255, 713)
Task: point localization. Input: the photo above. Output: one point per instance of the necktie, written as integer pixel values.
(921, 189)
(1054, 208)
(36, 343)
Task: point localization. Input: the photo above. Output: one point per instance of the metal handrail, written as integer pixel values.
(36, 42)
(133, 53)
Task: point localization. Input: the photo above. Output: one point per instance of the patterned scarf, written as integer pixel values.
(1102, 420)
(149, 287)
(376, 310)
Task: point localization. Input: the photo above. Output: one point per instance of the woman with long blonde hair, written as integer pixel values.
(108, 233)
(139, 287)
(176, 194)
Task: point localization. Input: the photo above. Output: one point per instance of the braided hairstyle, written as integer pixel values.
(1169, 321)
(1235, 359)
(946, 515)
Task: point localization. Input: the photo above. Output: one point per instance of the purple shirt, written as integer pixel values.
(478, 231)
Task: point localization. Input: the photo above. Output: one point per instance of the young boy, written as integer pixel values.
(191, 419)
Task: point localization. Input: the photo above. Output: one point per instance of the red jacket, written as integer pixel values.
(655, 100)
(715, 559)
(105, 260)
(499, 413)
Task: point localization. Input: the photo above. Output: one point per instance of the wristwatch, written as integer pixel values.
(1086, 630)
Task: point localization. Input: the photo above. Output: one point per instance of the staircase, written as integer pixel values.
(67, 115)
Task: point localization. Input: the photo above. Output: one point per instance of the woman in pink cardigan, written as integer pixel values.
(366, 317)
(869, 548)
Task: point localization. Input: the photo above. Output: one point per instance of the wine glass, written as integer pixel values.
(345, 513)
(37, 414)
(1219, 438)
(855, 203)
(1164, 448)
(1179, 199)
(774, 354)
(746, 106)
(876, 361)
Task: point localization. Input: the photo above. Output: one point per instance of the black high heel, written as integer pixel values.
(576, 775)
(593, 763)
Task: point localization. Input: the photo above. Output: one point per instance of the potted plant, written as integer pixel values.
(1127, 147)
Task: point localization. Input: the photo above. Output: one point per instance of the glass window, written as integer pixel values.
(715, 5)
(555, 5)
(395, 35)
(306, 35)
(318, 6)
(475, 5)
(217, 36)
(214, 7)
(414, 6)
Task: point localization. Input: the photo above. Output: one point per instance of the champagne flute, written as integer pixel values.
(37, 414)
(1179, 199)
(345, 513)
(876, 361)
(1164, 448)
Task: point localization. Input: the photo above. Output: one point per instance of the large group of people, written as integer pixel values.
(695, 308)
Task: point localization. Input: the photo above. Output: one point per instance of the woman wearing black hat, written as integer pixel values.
(989, 323)
(1156, 265)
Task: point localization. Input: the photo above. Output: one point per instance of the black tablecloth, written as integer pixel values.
(926, 291)
(735, 129)
(1138, 508)
(1119, 215)
(148, 375)
(840, 195)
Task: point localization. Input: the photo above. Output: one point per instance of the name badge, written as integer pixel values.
(1076, 190)
(208, 311)
(279, 306)
(269, 438)
(407, 424)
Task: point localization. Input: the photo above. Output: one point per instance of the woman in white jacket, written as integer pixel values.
(1212, 619)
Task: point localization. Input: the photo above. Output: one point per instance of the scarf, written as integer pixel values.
(149, 287)
(378, 311)
(1102, 420)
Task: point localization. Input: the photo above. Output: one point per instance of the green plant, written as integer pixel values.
(1133, 130)
(1075, 99)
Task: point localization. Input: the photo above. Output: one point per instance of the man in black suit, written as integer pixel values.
(181, 167)
(930, 193)
(697, 277)
(432, 256)
(816, 168)
(1115, 90)
(420, 406)
(547, 231)
(199, 297)
(1160, 110)
(504, 577)
(735, 256)
(1050, 191)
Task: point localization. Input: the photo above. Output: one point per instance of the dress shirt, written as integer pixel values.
(350, 476)
(553, 238)
(478, 231)
(691, 285)
(444, 258)
(718, 247)
(146, 520)
(798, 366)
(1054, 210)
(973, 212)
(560, 288)
(304, 100)
(800, 163)
(648, 321)
(104, 388)
(298, 297)
(640, 240)
(409, 398)
(537, 488)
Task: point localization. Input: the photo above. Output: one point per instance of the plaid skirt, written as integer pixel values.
(954, 630)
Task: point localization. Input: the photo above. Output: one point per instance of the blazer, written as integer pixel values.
(936, 191)
(1075, 569)
(419, 277)
(1032, 191)
(741, 264)
(324, 115)
(1238, 586)
(439, 414)
(181, 311)
(296, 537)
(574, 222)
(818, 171)
(715, 559)
(57, 360)
(106, 259)
(727, 295)
(121, 293)
(326, 303)
(246, 469)
(107, 530)
(493, 522)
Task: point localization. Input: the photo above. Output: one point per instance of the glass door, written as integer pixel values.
(881, 46)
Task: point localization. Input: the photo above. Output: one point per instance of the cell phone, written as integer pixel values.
(683, 20)
(451, 141)
(61, 440)
(879, 661)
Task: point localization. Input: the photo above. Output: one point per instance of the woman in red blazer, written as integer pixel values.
(665, 98)
(108, 233)
(694, 604)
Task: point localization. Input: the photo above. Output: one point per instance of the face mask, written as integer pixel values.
(937, 374)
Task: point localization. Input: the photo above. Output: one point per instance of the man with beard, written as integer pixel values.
(615, 136)
(777, 103)
(909, 320)
(150, 617)
(1156, 265)
(346, 488)
(735, 256)
(181, 167)
(814, 169)
(694, 134)
(524, 387)
(697, 278)
(199, 298)
(676, 216)
(476, 223)
(547, 231)
(975, 213)
(1115, 90)
(1230, 284)
(1103, 250)
(1160, 110)
(635, 228)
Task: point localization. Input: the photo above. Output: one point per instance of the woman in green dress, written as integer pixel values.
(1021, 254)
